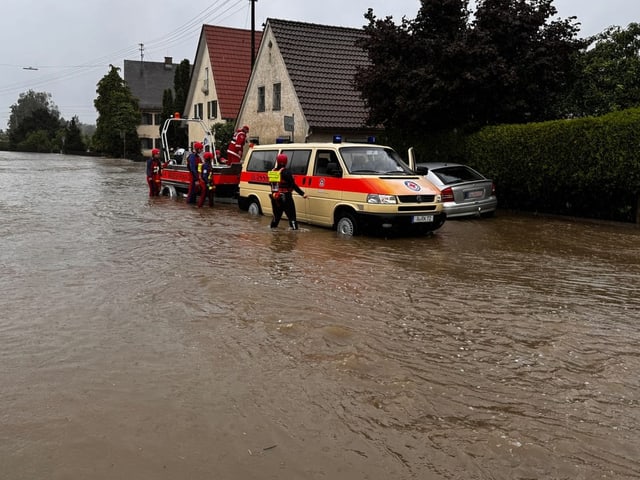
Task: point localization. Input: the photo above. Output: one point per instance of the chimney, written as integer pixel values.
(168, 63)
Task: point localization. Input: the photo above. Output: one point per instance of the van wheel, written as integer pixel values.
(254, 208)
(347, 225)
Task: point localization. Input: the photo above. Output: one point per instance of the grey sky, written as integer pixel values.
(71, 43)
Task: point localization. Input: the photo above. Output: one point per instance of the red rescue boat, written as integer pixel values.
(175, 175)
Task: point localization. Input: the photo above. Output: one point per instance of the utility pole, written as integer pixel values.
(141, 58)
(253, 32)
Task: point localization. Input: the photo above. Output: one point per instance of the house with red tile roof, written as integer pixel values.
(221, 71)
(302, 85)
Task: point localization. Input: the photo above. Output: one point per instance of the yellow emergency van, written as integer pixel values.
(351, 187)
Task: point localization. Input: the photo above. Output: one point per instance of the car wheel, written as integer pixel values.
(347, 225)
(254, 208)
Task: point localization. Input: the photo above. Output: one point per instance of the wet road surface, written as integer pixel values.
(143, 338)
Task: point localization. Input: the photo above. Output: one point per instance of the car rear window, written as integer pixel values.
(456, 174)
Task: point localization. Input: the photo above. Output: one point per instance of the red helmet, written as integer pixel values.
(155, 151)
(198, 146)
(208, 155)
(245, 128)
(281, 159)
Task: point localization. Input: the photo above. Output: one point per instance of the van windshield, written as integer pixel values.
(367, 159)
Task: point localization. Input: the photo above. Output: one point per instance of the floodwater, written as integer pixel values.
(146, 339)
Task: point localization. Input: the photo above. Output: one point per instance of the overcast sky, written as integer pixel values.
(65, 47)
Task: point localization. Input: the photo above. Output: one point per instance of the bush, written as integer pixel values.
(586, 167)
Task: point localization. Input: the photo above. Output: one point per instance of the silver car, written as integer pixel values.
(464, 191)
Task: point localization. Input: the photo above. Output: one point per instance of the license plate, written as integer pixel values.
(475, 194)
(422, 218)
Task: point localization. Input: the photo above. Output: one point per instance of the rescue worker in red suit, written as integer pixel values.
(220, 158)
(153, 173)
(282, 187)
(192, 164)
(236, 146)
(205, 180)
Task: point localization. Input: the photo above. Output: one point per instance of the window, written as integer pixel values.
(327, 163)
(456, 174)
(146, 143)
(212, 109)
(261, 100)
(146, 118)
(277, 96)
(157, 118)
(298, 160)
(262, 161)
(197, 111)
(205, 82)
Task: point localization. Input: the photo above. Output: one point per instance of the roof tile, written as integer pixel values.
(322, 62)
(230, 57)
(148, 81)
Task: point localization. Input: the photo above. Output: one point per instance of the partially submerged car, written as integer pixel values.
(465, 191)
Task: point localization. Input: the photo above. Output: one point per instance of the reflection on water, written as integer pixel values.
(143, 338)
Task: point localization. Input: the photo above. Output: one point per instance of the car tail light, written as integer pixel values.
(447, 195)
(493, 189)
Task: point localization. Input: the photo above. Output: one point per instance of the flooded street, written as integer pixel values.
(145, 339)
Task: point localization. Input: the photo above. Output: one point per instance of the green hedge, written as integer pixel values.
(587, 167)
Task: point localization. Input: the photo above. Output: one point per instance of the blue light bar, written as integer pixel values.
(337, 139)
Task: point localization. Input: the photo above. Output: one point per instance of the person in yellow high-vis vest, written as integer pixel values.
(282, 187)
(205, 180)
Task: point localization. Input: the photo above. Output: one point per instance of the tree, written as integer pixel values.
(181, 82)
(608, 71)
(177, 135)
(36, 141)
(73, 142)
(415, 81)
(223, 133)
(33, 112)
(118, 117)
(524, 62)
(441, 72)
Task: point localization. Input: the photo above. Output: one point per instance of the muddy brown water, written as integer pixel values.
(145, 339)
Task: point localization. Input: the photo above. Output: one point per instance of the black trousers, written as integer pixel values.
(284, 204)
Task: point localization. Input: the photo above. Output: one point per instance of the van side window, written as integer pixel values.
(262, 161)
(298, 160)
(327, 164)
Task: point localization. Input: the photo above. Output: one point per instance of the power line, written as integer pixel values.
(218, 11)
